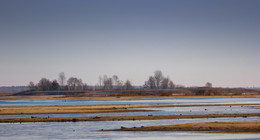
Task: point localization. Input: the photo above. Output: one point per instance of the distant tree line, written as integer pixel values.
(73, 83)
(157, 81)
(108, 83)
(45, 84)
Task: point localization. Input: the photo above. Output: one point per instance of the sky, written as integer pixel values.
(190, 41)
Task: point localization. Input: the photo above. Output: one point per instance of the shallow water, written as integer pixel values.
(157, 111)
(90, 130)
(129, 101)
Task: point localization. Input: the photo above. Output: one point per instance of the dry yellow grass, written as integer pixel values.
(65, 109)
(227, 127)
(18, 110)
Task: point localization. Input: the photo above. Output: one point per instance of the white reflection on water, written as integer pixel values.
(90, 130)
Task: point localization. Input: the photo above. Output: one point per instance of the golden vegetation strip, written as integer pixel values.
(227, 127)
(22, 110)
(122, 118)
(66, 109)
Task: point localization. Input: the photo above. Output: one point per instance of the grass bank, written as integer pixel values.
(223, 127)
(66, 109)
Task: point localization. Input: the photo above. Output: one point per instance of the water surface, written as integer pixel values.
(90, 130)
(130, 101)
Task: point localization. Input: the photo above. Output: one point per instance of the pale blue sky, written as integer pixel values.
(191, 41)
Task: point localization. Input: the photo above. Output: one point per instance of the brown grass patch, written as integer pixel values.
(227, 127)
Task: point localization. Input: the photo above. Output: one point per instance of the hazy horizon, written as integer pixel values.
(192, 42)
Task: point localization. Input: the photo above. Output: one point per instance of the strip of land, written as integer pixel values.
(226, 127)
(122, 118)
(66, 109)
(23, 110)
(66, 97)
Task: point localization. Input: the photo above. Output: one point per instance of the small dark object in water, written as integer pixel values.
(74, 119)
(244, 116)
(122, 127)
(142, 126)
(96, 117)
(102, 129)
(33, 117)
(150, 115)
(180, 114)
(206, 109)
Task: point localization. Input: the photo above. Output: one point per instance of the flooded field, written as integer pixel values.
(92, 130)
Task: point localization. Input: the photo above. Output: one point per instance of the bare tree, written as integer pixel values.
(31, 85)
(165, 83)
(62, 79)
(55, 85)
(171, 85)
(107, 82)
(128, 85)
(208, 85)
(150, 83)
(115, 80)
(71, 82)
(80, 84)
(158, 76)
(75, 83)
(44, 84)
(118, 84)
